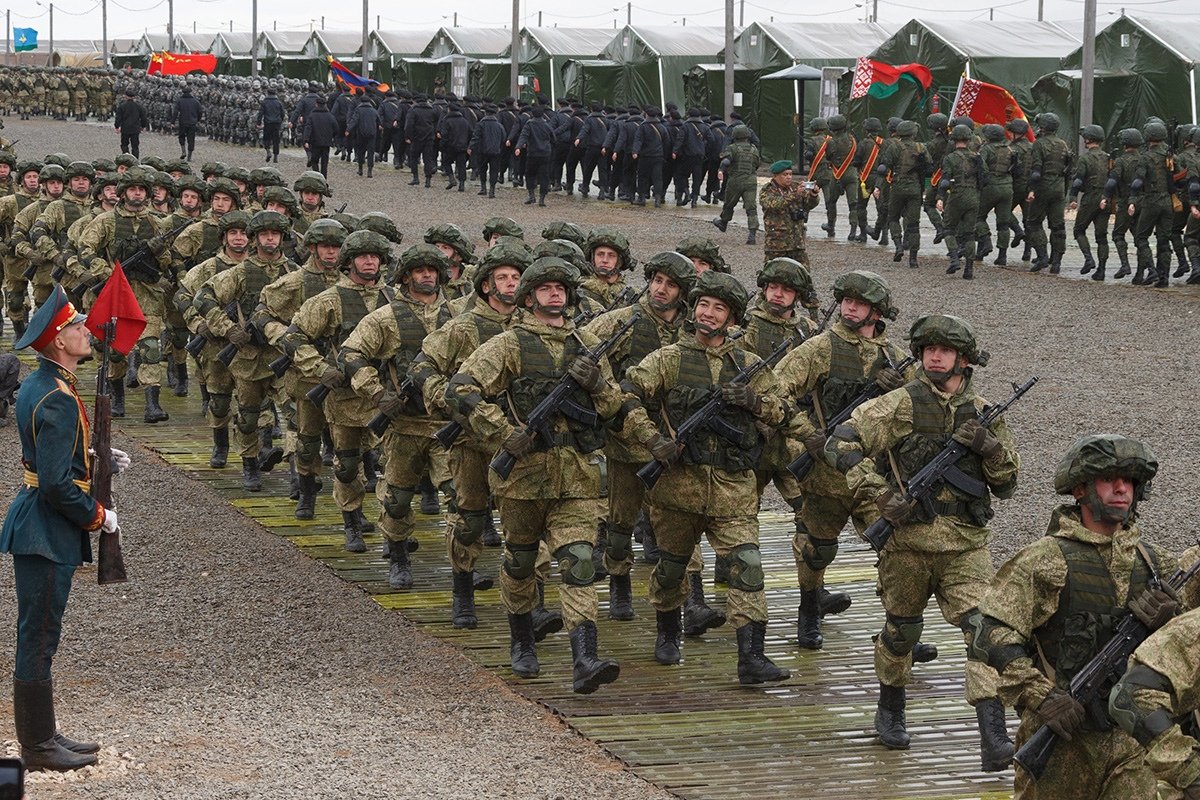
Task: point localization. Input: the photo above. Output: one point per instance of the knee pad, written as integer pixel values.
(308, 448)
(671, 569)
(819, 553)
(521, 561)
(620, 542)
(219, 404)
(745, 568)
(471, 531)
(149, 350)
(907, 632)
(1143, 724)
(975, 629)
(397, 502)
(1058, 227)
(345, 466)
(247, 419)
(575, 563)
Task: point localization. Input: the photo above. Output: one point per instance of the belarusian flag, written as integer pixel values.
(881, 80)
(987, 103)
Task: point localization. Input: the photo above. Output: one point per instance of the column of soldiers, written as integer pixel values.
(57, 92)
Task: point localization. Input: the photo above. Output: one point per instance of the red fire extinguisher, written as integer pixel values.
(935, 103)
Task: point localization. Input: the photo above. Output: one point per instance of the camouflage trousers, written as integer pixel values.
(1094, 765)
(16, 289)
(311, 421)
(408, 457)
(797, 253)
(626, 493)
(567, 528)
(253, 398)
(468, 465)
(215, 376)
(678, 534)
(818, 525)
(907, 579)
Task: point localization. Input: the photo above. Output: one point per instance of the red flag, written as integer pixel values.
(119, 305)
(987, 103)
(181, 63)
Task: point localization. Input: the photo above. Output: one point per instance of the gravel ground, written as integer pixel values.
(197, 674)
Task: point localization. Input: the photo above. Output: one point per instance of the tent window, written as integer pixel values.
(754, 40)
(1124, 40)
(625, 40)
(912, 40)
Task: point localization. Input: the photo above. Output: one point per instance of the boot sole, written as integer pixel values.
(606, 674)
(754, 680)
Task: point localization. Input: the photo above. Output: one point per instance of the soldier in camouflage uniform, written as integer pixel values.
(497, 227)
(843, 177)
(816, 154)
(1000, 166)
(312, 189)
(661, 314)
(607, 252)
(240, 288)
(48, 235)
(75, 278)
(216, 382)
(201, 240)
(1049, 164)
(443, 353)
(704, 253)
(865, 161)
(740, 161)
(553, 491)
(939, 146)
(8, 182)
(822, 376)
(460, 251)
(1116, 196)
(1091, 173)
(1054, 605)
(1152, 195)
(1190, 159)
(904, 165)
(16, 287)
(376, 358)
(785, 206)
(53, 181)
(939, 549)
(708, 485)
(116, 235)
(962, 178)
(190, 196)
(60, 94)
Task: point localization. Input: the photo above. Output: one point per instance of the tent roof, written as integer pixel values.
(719, 67)
(477, 41)
(195, 42)
(826, 40)
(676, 40)
(1020, 39)
(156, 41)
(236, 42)
(339, 42)
(286, 42)
(1180, 34)
(403, 43)
(570, 41)
(796, 72)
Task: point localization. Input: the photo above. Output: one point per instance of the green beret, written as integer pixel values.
(780, 166)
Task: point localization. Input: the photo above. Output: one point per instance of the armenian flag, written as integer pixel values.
(880, 80)
(352, 79)
(987, 103)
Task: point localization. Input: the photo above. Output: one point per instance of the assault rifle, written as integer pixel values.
(111, 563)
(941, 470)
(622, 298)
(707, 417)
(227, 353)
(804, 464)
(407, 391)
(1097, 677)
(140, 265)
(559, 402)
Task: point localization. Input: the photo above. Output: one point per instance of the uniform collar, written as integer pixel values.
(50, 365)
(1066, 522)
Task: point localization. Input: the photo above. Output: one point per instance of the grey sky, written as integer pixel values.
(79, 19)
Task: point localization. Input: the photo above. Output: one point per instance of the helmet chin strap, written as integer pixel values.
(553, 311)
(939, 377)
(422, 288)
(778, 309)
(1107, 513)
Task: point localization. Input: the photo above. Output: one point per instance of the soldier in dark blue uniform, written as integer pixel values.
(48, 523)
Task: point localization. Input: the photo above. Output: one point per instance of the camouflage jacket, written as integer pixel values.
(49, 233)
(282, 298)
(777, 202)
(446, 348)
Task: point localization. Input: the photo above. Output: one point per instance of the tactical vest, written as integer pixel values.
(845, 380)
(930, 437)
(1159, 166)
(412, 333)
(210, 243)
(71, 214)
(1001, 163)
(1054, 157)
(312, 284)
(1087, 615)
(693, 388)
(129, 234)
(1098, 169)
(539, 376)
(644, 339)
(909, 162)
(769, 335)
(255, 279)
(485, 327)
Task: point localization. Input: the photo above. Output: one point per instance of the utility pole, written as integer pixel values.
(103, 28)
(253, 37)
(539, 19)
(366, 25)
(728, 57)
(742, 13)
(991, 15)
(514, 52)
(875, 11)
(629, 13)
(456, 19)
(1087, 83)
(1041, 9)
(8, 37)
(170, 25)
(52, 34)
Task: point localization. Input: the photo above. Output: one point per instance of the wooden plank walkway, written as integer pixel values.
(692, 728)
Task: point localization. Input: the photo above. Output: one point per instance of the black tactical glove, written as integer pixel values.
(157, 245)
(815, 445)
(586, 373)
(977, 439)
(889, 379)
(739, 394)
(895, 508)
(1192, 792)
(1155, 607)
(238, 336)
(1061, 713)
(388, 402)
(60, 260)
(519, 443)
(664, 449)
(333, 378)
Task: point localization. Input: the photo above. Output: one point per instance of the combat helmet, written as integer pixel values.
(268, 221)
(450, 234)
(609, 237)
(80, 169)
(154, 162)
(837, 123)
(266, 176)
(949, 331)
(1048, 122)
(560, 229)
(178, 165)
(1131, 137)
(135, 176)
(1154, 132)
(790, 273)
(512, 253)
(126, 160)
(8, 157)
(239, 220)
(226, 187)
(545, 270)
(210, 168)
(418, 255)
(741, 133)
(993, 133)
(872, 126)
(1106, 455)
(238, 174)
(938, 123)
(962, 133)
(382, 224)
(725, 288)
(325, 231)
(869, 287)
(61, 159)
(1092, 133)
(906, 128)
(52, 172)
(194, 183)
(104, 165)
(678, 268)
(281, 195)
(312, 181)
(27, 166)
(704, 249)
(1017, 127)
(503, 226)
(817, 125)
(565, 249)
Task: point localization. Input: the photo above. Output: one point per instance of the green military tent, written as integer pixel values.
(432, 70)
(281, 53)
(388, 49)
(344, 46)
(232, 50)
(1009, 54)
(544, 51)
(1145, 66)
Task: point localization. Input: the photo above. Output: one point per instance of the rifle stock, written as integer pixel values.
(110, 566)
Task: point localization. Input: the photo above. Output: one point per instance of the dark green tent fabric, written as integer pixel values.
(489, 77)
(388, 49)
(596, 79)
(651, 63)
(544, 51)
(1119, 98)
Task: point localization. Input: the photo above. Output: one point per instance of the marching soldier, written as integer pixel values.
(607, 251)
(48, 235)
(962, 177)
(785, 206)
(16, 287)
(201, 240)
(865, 161)
(1000, 166)
(460, 251)
(939, 146)
(53, 181)
(1049, 162)
(1091, 173)
(1116, 198)
(843, 177)
(904, 165)
(1152, 195)
(739, 163)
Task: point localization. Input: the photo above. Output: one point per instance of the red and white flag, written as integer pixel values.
(986, 103)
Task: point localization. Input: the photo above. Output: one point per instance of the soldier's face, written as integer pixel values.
(75, 340)
(606, 261)
(268, 242)
(502, 282)
(160, 194)
(784, 178)
(448, 251)
(855, 311)
(422, 279)
(779, 297)
(109, 194)
(277, 207)
(30, 181)
(189, 200)
(941, 359)
(237, 240)
(495, 237)
(712, 314)
(550, 297)
(1113, 491)
(310, 199)
(5, 171)
(240, 184)
(221, 203)
(80, 186)
(328, 254)
(176, 174)
(54, 187)
(701, 265)
(135, 196)
(664, 292)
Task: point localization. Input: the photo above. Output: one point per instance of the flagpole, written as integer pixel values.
(957, 94)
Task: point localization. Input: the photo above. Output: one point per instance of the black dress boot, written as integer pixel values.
(42, 746)
(588, 671)
(181, 379)
(462, 607)
(251, 478)
(220, 451)
(753, 665)
(545, 621)
(668, 643)
(620, 597)
(808, 620)
(153, 412)
(698, 616)
(890, 723)
(307, 503)
(118, 396)
(400, 571)
(354, 540)
(522, 649)
(995, 748)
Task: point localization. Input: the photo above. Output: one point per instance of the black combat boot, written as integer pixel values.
(808, 620)
(883, 237)
(898, 255)
(491, 191)
(400, 571)
(415, 180)
(366, 526)
(181, 379)
(453, 184)
(620, 597)
(829, 228)
(354, 540)
(251, 479)
(1027, 252)
(912, 259)
(588, 671)
(1184, 265)
(545, 621)
(601, 571)
(491, 536)
(1055, 260)
(530, 200)
(462, 608)
(542, 199)
(923, 653)
(154, 412)
(955, 264)
(1089, 263)
(430, 503)
(307, 503)
(131, 370)
(118, 396)
(698, 616)
(1139, 277)
(1018, 234)
(42, 746)
(939, 233)
(984, 247)
(522, 649)
(220, 451)
(268, 455)
(170, 372)
(1098, 274)
(831, 603)
(428, 181)
(750, 236)
(753, 665)
(1041, 261)
(995, 748)
(293, 479)
(890, 723)
(462, 186)
(668, 643)
(969, 270)
(853, 235)
(482, 190)
(1001, 257)
(1194, 278)
(205, 399)
(1124, 268)
(370, 463)
(720, 224)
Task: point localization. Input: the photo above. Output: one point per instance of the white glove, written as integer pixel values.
(120, 460)
(110, 524)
